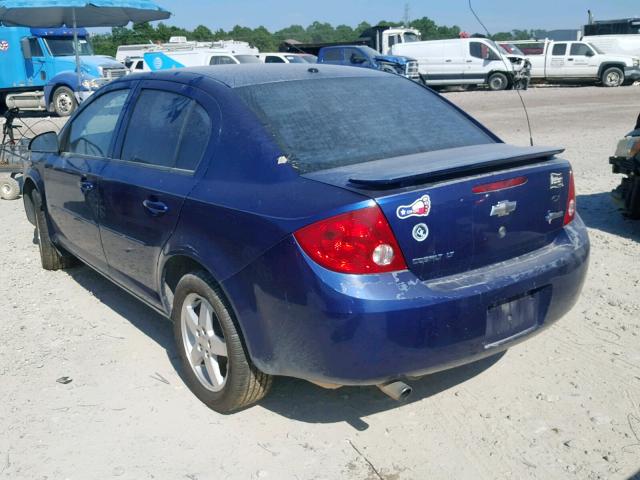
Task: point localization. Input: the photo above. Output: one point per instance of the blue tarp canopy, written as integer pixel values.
(83, 13)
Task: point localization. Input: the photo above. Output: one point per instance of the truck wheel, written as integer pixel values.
(498, 81)
(215, 365)
(64, 101)
(612, 77)
(50, 257)
(9, 188)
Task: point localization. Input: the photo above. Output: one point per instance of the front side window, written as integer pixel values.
(166, 130)
(34, 45)
(580, 49)
(92, 130)
(273, 59)
(332, 122)
(355, 56)
(479, 50)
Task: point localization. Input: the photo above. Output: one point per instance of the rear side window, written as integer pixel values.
(92, 130)
(559, 49)
(166, 130)
(331, 122)
(273, 59)
(221, 61)
(333, 55)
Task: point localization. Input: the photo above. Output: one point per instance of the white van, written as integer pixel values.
(466, 61)
(616, 44)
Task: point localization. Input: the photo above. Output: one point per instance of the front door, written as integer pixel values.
(72, 178)
(159, 152)
(580, 61)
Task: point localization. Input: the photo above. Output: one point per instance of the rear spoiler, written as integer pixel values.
(434, 166)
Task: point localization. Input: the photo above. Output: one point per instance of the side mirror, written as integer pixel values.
(589, 53)
(356, 60)
(45, 143)
(26, 49)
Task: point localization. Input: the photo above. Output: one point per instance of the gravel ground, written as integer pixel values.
(564, 405)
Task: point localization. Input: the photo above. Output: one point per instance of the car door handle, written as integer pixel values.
(87, 186)
(569, 59)
(469, 61)
(448, 61)
(155, 208)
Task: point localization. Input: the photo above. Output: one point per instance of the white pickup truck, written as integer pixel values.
(584, 62)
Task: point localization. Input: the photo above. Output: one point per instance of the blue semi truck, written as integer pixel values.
(38, 69)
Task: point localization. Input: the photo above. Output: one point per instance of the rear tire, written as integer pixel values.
(9, 188)
(612, 77)
(51, 258)
(216, 368)
(64, 101)
(498, 81)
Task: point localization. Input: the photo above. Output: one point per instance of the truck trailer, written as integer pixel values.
(38, 69)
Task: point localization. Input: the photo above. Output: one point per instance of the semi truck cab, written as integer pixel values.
(38, 69)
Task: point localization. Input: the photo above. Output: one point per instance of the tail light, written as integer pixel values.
(570, 212)
(358, 242)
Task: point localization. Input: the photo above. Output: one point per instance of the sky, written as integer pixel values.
(497, 15)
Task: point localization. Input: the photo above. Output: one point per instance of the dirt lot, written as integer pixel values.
(563, 405)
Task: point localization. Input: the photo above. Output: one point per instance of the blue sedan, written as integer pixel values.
(339, 225)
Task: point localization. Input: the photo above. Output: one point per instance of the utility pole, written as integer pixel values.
(407, 14)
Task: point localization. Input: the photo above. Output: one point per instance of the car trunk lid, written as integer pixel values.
(459, 209)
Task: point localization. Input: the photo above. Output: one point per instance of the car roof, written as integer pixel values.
(244, 75)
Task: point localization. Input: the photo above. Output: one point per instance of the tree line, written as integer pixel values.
(265, 41)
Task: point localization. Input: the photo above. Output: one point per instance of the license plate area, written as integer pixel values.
(516, 316)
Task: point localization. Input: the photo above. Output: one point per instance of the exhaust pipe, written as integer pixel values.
(397, 390)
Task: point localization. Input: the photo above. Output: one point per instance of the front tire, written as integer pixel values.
(51, 258)
(9, 188)
(612, 77)
(216, 368)
(498, 81)
(64, 101)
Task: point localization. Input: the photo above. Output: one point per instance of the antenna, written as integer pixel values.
(524, 106)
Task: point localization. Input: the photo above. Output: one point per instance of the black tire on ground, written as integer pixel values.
(9, 188)
(612, 77)
(50, 256)
(64, 101)
(632, 198)
(498, 81)
(244, 384)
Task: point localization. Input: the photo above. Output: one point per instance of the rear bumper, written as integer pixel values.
(303, 321)
(632, 73)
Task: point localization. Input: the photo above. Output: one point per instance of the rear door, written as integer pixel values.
(556, 61)
(160, 151)
(72, 178)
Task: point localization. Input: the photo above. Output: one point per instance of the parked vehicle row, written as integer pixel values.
(578, 61)
(373, 249)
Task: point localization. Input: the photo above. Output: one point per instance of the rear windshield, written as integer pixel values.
(327, 123)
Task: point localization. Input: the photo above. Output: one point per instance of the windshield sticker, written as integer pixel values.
(4, 45)
(556, 180)
(419, 208)
(420, 232)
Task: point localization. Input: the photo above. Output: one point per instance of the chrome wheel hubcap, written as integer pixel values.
(613, 78)
(204, 343)
(6, 189)
(64, 102)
